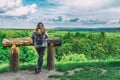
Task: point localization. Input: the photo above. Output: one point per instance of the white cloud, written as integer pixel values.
(115, 21)
(16, 8)
(75, 8)
(82, 4)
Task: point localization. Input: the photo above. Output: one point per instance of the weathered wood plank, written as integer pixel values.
(28, 41)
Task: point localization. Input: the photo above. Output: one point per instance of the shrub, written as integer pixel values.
(27, 54)
(64, 49)
(4, 55)
(73, 57)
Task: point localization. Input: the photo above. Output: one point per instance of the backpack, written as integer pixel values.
(39, 39)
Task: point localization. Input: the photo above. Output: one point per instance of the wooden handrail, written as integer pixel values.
(28, 41)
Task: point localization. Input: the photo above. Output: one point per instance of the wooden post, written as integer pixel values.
(50, 56)
(14, 58)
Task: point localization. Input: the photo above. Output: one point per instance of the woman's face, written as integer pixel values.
(40, 26)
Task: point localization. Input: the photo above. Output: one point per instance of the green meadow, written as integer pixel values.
(96, 54)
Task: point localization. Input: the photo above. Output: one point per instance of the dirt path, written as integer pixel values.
(29, 75)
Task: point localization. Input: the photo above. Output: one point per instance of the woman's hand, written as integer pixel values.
(46, 36)
(37, 31)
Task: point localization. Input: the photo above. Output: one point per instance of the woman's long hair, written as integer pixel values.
(42, 28)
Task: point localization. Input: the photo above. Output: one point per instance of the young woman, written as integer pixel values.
(40, 48)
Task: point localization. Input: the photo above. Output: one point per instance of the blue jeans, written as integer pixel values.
(40, 52)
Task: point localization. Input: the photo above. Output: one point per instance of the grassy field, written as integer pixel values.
(95, 70)
(89, 71)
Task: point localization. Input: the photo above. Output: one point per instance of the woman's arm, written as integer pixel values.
(46, 35)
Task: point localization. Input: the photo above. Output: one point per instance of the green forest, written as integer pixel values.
(77, 47)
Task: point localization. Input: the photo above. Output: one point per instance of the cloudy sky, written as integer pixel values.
(59, 13)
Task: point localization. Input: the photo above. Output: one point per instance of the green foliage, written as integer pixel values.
(4, 55)
(80, 35)
(68, 38)
(97, 45)
(73, 57)
(93, 45)
(27, 54)
(64, 49)
(51, 31)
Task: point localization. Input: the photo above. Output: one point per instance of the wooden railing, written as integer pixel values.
(14, 44)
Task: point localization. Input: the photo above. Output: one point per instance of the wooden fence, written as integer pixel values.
(14, 44)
